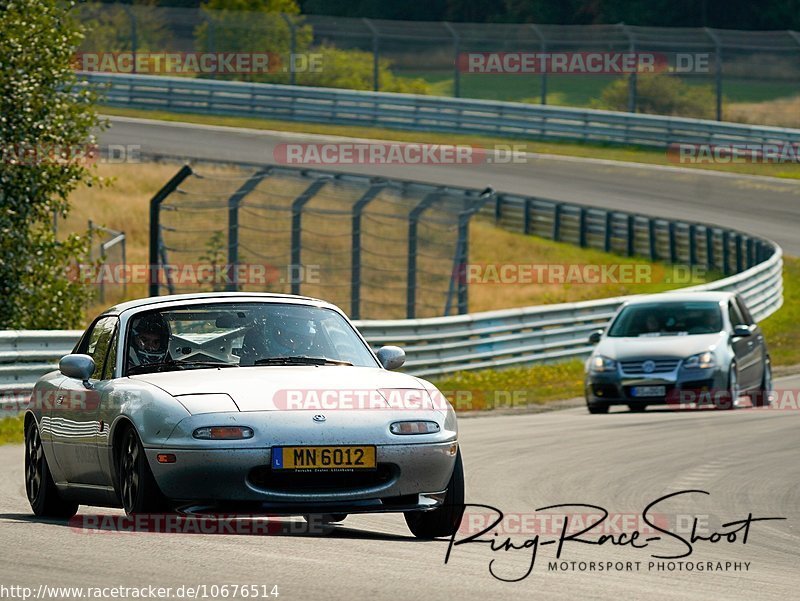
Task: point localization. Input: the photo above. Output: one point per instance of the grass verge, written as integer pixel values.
(11, 430)
(614, 152)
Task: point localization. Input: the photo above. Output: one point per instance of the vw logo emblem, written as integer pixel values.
(648, 367)
(319, 417)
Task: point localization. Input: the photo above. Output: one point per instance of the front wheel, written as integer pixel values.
(763, 396)
(732, 393)
(597, 408)
(445, 519)
(42, 492)
(138, 490)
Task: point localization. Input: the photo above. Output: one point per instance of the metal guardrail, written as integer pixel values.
(443, 345)
(423, 113)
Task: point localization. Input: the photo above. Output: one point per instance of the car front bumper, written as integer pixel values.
(680, 386)
(409, 476)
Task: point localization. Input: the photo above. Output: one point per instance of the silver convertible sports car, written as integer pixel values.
(256, 404)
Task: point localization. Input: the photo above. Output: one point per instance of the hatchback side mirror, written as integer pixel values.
(391, 357)
(742, 331)
(80, 367)
(595, 336)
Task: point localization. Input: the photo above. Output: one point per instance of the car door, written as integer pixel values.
(75, 414)
(758, 337)
(744, 348)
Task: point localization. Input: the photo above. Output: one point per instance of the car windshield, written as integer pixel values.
(216, 335)
(667, 319)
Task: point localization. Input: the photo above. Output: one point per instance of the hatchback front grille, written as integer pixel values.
(649, 366)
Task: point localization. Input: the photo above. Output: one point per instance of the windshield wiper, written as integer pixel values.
(173, 365)
(299, 360)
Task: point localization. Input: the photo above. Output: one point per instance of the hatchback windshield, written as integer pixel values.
(241, 334)
(667, 319)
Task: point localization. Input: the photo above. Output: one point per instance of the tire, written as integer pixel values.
(445, 519)
(597, 409)
(762, 397)
(39, 486)
(137, 487)
(728, 402)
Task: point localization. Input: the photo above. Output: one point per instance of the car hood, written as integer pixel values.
(658, 346)
(264, 388)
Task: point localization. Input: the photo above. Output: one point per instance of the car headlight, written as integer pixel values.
(414, 427)
(599, 364)
(223, 433)
(700, 361)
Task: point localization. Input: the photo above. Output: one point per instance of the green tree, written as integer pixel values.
(46, 117)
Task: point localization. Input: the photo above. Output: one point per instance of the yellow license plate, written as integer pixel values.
(323, 458)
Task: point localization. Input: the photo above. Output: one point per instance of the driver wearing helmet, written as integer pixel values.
(290, 336)
(149, 340)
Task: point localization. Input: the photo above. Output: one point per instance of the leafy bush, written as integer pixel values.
(44, 115)
(660, 94)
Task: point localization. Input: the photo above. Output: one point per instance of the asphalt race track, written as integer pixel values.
(746, 459)
(759, 205)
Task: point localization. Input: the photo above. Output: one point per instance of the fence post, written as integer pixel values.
(155, 226)
(582, 227)
(673, 247)
(297, 224)
(692, 245)
(651, 238)
(557, 222)
(233, 225)
(543, 50)
(376, 84)
(526, 218)
(292, 46)
(456, 62)
(134, 36)
(726, 252)
(717, 68)
(355, 253)
(710, 262)
(413, 221)
(631, 237)
(609, 226)
(632, 100)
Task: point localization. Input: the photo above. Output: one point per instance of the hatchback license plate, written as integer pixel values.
(324, 458)
(648, 391)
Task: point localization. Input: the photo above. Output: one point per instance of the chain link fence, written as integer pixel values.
(716, 66)
(378, 248)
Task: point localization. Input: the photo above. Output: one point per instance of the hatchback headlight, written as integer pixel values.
(700, 361)
(600, 364)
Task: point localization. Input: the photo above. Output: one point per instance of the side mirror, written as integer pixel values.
(80, 367)
(742, 331)
(391, 357)
(595, 336)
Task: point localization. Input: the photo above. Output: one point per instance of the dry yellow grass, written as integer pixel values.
(783, 112)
